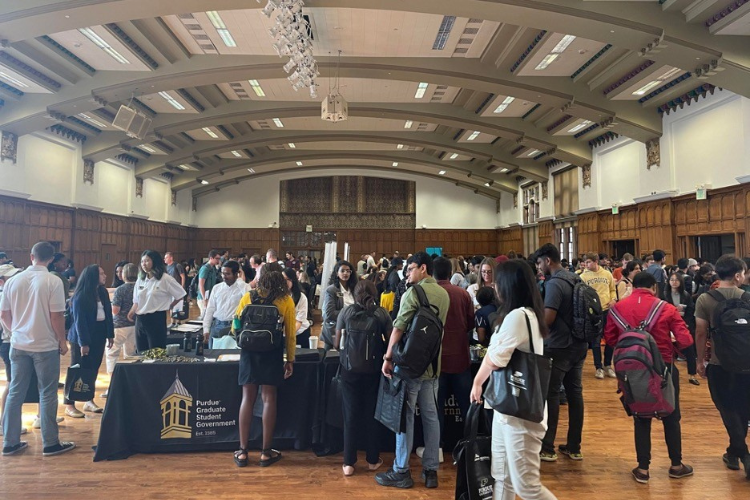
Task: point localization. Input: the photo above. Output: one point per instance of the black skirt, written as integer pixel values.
(262, 368)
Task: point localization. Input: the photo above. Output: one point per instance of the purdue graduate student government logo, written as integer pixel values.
(175, 411)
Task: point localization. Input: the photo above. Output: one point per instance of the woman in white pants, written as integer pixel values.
(122, 302)
(516, 443)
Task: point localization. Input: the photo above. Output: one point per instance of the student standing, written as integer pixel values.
(730, 391)
(516, 443)
(676, 294)
(602, 281)
(92, 328)
(633, 311)
(337, 296)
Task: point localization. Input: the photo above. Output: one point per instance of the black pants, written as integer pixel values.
(691, 358)
(567, 369)
(730, 393)
(94, 358)
(596, 348)
(360, 392)
(151, 331)
(672, 431)
(303, 339)
(460, 384)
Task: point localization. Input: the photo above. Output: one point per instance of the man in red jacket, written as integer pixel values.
(634, 310)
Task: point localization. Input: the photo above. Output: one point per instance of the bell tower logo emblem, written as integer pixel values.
(175, 411)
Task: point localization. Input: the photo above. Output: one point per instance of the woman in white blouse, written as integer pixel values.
(155, 293)
(302, 326)
(516, 443)
(486, 277)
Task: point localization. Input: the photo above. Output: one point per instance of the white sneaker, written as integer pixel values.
(38, 422)
(92, 407)
(599, 373)
(610, 372)
(420, 452)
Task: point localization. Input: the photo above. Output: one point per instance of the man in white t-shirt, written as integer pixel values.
(32, 308)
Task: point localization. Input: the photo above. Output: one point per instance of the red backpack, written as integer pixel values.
(642, 376)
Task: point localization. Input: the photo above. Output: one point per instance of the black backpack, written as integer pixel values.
(730, 335)
(364, 346)
(420, 345)
(262, 326)
(587, 311)
(193, 287)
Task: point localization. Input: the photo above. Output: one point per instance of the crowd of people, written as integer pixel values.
(502, 303)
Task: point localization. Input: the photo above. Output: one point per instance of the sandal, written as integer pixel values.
(375, 466)
(348, 470)
(274, 454)
(241, 462)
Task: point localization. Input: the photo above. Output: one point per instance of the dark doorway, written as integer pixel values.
(712, 247)
(621, 247)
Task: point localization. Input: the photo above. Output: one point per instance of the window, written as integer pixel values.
(530, 203)
(565, 236)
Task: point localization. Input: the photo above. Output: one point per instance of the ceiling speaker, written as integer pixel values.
(334, 108)
(133, 123)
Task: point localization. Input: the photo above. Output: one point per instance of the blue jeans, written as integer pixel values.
(424, 393)
(47, 368)
(216, 330)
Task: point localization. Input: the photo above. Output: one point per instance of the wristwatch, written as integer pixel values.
(386, 358)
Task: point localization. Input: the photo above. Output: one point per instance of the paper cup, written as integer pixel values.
(313, 342)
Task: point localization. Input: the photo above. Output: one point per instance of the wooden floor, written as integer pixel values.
(603, 474)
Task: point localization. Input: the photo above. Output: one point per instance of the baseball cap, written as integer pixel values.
(8, 270)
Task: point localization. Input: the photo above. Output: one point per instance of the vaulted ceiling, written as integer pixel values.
(517, 87)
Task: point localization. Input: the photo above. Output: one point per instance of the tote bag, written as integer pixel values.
(473, 457)
(335, 407)
(520, 388)
(389, 409)
(79, 383)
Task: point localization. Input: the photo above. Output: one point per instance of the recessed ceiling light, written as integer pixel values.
(454, 156)
(171, 100)
(221, 28)
(210, 133)
(549, 59)
(487, 184)
(92, 120)
(580, 126)
(299, 163)
(256, 88)
(563, 44)
(504, 105)
(251, 170)
(534, 152)
(237, 154)
(292, 145)
(504, 170)
(148, 149)
(408, 124)
(99, 42)
(473, 135)
(204, 182)
(659, 81)
(395, 164)
(14, 81)
(400, 146)
(278, 123)
(421, 89)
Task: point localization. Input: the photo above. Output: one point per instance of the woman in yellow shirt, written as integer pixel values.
(266, 369)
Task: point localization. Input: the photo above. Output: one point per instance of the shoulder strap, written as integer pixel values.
(421, 295)
(255, 298)
(619, 319)
(653, 314)
(528, 329)
(717, 295)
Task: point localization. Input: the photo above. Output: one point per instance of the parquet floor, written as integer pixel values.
(603, 474)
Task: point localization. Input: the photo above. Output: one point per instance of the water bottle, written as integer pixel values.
(199, 344)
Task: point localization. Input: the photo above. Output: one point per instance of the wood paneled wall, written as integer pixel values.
(510, 239)
(546, 233)
(237, 240)
(85, 236)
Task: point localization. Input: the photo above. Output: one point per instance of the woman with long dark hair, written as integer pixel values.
(337, 296)
(156, 292)
(485, 277)
(266, 369)
(302, 323)
(92, 328)
(516, 443)
(674, 293)
(360, 388)
(625, 285)
(118, 279)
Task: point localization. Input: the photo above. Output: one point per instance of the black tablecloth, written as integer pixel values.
(172, 407)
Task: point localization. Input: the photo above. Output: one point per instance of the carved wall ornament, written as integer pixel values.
(515, 200)
(174, 198)
(139, 187)
(653, 153)
(88, 171)
(545, 190)
(586, 171)
(9, 147)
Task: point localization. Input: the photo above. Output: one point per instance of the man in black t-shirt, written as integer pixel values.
(567, 353)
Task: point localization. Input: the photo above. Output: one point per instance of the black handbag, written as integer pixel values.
(520, 388)
(473, 457)
(389, 409)
(335, 406)
(79, 383)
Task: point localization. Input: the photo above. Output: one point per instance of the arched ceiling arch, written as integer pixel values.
(642, 40)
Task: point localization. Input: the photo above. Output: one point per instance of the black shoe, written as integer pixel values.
(430, 478)
(395, 479)
(640, 476)
(683, 471)
(732, 463)
(12, 450)
(58, 449)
